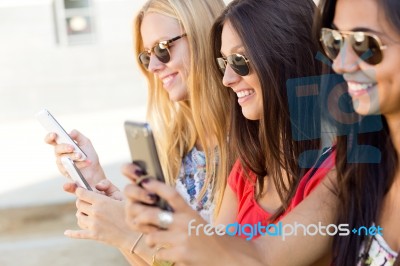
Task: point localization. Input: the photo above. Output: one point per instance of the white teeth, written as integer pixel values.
(244, 93)
(353, 86)
(167, 79)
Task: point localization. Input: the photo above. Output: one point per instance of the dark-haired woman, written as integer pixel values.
(362, 37)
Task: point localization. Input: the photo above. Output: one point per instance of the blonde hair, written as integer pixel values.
(204, 116)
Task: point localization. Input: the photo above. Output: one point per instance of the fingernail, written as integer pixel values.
(139, 172)
(145, 181)
(78, 155)
(152, 197)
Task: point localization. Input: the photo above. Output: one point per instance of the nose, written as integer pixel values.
(230, 77)
(347, 60)
(155, 64)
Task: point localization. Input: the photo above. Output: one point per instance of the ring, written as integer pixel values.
(165, 219)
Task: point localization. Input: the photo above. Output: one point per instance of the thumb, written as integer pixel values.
(107, 188)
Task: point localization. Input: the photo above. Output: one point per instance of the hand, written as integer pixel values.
(105, 187)
(131, 171)
(101, 218)
(90, 168)
(203, 249)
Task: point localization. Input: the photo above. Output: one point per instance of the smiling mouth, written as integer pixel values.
(356, 88)
(245, 93)
(168, 79)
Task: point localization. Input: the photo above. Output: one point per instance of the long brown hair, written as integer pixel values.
(363, 177)
(277, 37)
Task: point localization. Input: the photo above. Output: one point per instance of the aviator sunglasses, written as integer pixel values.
(367, 46)
(160, 50)
(239, 63)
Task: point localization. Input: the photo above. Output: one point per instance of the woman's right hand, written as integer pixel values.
(90, 168)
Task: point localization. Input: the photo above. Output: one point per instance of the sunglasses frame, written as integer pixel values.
(344, 34)
(161, 43)
(228, 60)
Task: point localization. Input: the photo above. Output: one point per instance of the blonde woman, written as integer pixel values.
(188, 113)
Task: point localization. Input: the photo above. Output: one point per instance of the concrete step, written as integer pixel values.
(33, 236)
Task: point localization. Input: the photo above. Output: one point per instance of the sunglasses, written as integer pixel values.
(160, 50)
(367, 46)
(239, 63)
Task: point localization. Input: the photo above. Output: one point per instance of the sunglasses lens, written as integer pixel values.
(366, 47)
(331, 41)
(221, 64)
(144, 59)
(162, 53)
(238, 64)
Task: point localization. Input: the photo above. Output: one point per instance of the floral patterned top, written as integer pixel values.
(191, 180)
(379, 252)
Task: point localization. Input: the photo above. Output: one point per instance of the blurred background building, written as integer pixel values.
(75, 58)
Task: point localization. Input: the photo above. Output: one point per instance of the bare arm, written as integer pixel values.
(229, 208)
(319, 207)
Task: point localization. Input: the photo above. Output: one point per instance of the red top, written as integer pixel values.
(250, 212)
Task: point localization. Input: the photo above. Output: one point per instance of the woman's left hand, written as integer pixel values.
(101, 218)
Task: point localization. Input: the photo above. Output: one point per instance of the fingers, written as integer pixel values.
(83, 220)
(104, 185)
(135, 193)
(131, 171)
(166, 192)
(88, 196)
(79, 137)
(70, 187)
(50, 138)
(144, 223)
(62, 148)
(83, 208)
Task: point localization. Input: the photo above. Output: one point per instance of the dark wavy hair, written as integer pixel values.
(361, 185)
(277, 37)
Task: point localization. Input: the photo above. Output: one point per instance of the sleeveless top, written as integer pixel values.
(379, 253)
(250, 212)
(190, 181)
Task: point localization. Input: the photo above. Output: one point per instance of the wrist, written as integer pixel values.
(98, 174)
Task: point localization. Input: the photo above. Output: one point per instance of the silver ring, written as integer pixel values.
(165, 219)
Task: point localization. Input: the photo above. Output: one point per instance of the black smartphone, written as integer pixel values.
(144, 154)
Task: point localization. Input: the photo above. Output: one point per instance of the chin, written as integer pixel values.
(251, 115)
(177, 97)
(366, 109)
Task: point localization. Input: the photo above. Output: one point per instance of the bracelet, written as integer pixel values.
(136, 243)
(156, 262)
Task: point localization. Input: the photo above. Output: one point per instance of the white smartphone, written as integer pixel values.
(51, 125)
(144, 153)
(75, 173)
